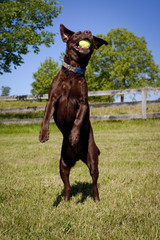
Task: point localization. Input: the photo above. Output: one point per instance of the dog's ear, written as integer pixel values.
(98, 42)
(65, 33)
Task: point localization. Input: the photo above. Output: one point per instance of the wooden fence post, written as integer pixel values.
(144, 103)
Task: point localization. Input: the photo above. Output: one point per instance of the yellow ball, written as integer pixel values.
(85, 43)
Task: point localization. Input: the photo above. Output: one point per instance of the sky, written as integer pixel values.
(141, 17)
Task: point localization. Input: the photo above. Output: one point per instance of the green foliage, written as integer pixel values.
(22, 24)
(5, 91)
(124, 63)
(44, 76)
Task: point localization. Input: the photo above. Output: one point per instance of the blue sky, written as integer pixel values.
(100, 16)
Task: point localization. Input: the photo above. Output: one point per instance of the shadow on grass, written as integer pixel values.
(78, 188)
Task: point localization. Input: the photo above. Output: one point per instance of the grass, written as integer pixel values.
(23, 103)
(23, 115)
(123, 110)
(32, 204)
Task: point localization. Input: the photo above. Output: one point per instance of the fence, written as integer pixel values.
(143, 104)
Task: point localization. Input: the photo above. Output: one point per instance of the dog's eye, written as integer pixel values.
(78, 33)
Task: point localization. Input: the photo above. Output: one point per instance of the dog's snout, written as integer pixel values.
(88, 33)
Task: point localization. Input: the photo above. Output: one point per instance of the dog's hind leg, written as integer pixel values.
(92, 163)
(64, 172)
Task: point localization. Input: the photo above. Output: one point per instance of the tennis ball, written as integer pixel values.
(85, 43)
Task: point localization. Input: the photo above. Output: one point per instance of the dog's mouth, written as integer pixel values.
(83, 49)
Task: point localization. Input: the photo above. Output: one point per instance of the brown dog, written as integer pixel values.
(68, 103)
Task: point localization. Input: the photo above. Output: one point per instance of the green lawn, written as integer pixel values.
(31, 196)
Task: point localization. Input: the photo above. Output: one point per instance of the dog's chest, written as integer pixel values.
(68, 102)
(71, 90)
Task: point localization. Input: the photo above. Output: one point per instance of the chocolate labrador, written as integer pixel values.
(68, 103)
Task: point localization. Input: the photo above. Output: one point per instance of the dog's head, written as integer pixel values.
(77, 53)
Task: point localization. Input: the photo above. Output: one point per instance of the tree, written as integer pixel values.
(124, 63)
(5, 91)
(22, 25)
(44, 76)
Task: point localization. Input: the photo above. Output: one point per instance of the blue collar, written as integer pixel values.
(74, 69)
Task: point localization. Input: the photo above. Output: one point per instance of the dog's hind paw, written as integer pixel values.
(44, 135)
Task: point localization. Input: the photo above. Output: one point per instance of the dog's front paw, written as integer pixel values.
(74, 137)
(44, 135)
